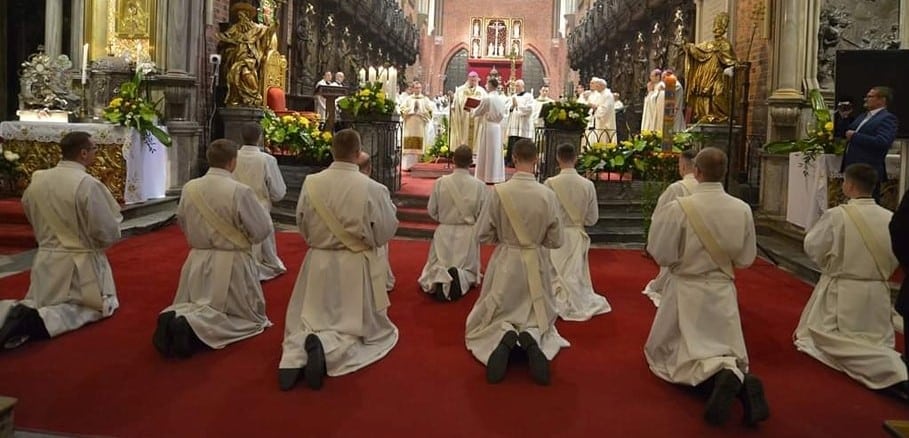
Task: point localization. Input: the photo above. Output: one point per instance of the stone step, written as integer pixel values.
(167, 203)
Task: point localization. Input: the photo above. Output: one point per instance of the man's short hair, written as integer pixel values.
(463, 156)
(251, 133)
(220, 152)
(73, 143)
(885, 93)
(566, 153)
(688, 155)
(345, 144)
(524, 150)
(863, 176)
(712, 163)
(494, 82)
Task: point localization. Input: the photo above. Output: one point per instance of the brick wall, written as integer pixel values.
(760, 64)
(455, 29)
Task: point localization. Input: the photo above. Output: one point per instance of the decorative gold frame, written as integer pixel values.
(127, 9)
(510, 39)
(97, 16)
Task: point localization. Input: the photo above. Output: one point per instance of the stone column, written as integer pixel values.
(53, 28)
(233, 118)
(177, 27)
(183, 155)
(75, 39)
(789, 55)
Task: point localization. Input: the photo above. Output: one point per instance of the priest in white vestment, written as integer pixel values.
(463, 127)
(683, 187)
(320, 100)
(219, 298)
(846, 323)
(519, 107)
(337, 319)
(417, 112)
(575, 298)
(364, 162)
(516, 305)
(654, 103)
(260, 171)
(489, 114)
(538, 104)
(602, 112)
(453, 265)
(75, 219)
(696, 338)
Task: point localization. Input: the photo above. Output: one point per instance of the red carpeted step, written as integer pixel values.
(415, 214)
(416, 229)
(11, 212)
(15, 238)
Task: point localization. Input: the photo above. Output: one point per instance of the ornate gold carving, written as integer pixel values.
(244, 45)
(109, 167)
(274, 70)
(708, 88)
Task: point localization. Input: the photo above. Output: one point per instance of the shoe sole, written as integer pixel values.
(756, 407)
(539, 364)
(497, 364)
(162, 339)
(454, 291)
(314, 371)
(182, 335)
(14, 319)
(719, 404)
(288, 378)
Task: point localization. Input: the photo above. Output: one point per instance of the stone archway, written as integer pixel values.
(455, 71)
(533, 72)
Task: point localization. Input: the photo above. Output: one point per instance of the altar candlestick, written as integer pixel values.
(84, 64)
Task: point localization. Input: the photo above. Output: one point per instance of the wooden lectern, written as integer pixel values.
(330, 93)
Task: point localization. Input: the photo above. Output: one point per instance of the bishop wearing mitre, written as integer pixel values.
(417, 112)
(463, 126)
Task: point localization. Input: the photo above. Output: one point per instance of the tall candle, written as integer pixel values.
(362, 75)
(392, 83)
(372, 74)
(84, 64)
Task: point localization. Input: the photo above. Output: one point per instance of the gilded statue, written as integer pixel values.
(708, 88)
(244, 46)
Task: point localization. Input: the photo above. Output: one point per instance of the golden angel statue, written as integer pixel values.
(244, 46)
(708, 86)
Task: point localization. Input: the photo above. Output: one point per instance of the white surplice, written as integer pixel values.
(654, 104)
(461, 120)
(417, 112)
(846, 323)
(537, 109)
(74, 218)
(260, 171)
(519, 108)
(683, 187)
(454, 243)
(219, 291)
(340, 294)
(575, 298)
(490, 161)
(601, 117)
(382, 252)
(697, 331)
(507, 299)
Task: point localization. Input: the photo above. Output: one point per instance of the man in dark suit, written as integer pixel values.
(899, 240)
(871, 134)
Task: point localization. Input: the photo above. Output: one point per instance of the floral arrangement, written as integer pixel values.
(818, 140)
(440, 147)
(129, 108)
(626, 156)
(295, 134)
(565, 115)
(369, 100)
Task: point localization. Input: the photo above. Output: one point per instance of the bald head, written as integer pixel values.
(710, 165)
(364, 161)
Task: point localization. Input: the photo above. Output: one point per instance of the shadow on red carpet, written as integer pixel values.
(107, 379)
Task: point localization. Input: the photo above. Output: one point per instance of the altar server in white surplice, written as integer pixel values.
(417, 112)
(489, 114)
(219, 299)
(364, 162)
(683, 187)
(575, 299)
(337, 319)
(654, 103)
(519, 108)
(453, 265)
(74, 218)
(846, 324)
(516, 306)
(696, 338)
(260, 171)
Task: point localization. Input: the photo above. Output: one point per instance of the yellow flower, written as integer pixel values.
(563, 115)
(365, 92)
(326, 136)
(443, 149)
(828, 126)
(116, 102)
(303, 121)
(627, 143)
(288, 119)
(380, 95)
(610, 146)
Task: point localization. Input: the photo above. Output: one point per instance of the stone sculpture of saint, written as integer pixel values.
(244, 45)
(708, 87)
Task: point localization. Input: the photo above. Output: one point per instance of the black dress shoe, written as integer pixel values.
(726, 387)
(539, 364)
(22, 324)
(314, 371)
(454, 291)
(438, 292)
(13, 326)
(163, 338)
(182, 334)
(898, 391)
(497, 363)
(753, 401)
(288, 377)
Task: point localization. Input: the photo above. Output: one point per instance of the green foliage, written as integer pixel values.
(440, 147)
(297, 135)
(369, 100)
(818, 140)
(569, 115)
(129, 108)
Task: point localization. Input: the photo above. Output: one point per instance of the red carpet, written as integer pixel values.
(107, 379)
(15, 232)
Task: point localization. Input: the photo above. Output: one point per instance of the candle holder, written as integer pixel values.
(83, 108)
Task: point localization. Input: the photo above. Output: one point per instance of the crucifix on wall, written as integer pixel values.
(496, 35)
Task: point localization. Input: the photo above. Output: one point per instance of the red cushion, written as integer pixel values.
(275, 99)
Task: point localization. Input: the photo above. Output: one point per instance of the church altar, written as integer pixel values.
(811, 193)
(133, 169)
